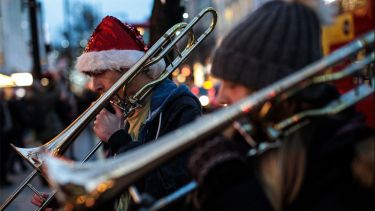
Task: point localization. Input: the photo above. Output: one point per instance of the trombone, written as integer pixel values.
(181, 34)
(294, 122)
(84, 187)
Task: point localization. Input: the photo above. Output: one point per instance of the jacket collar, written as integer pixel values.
(164, 93)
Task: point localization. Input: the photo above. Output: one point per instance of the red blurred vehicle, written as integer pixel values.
(356, 17)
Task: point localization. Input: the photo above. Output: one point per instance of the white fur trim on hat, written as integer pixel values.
(97, 61)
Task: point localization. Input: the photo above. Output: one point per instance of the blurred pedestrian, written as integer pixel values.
(16, 134)
(5, 127)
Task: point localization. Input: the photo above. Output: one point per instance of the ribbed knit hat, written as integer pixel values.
(274, 41)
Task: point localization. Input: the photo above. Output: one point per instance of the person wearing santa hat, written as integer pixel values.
(113, 48)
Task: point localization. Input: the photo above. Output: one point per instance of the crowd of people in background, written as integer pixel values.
(34, 116)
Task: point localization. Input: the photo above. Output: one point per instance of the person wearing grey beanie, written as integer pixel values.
(271, 43)
(311, 168)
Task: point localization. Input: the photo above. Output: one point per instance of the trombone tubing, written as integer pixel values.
(344, 101)
(127, 168)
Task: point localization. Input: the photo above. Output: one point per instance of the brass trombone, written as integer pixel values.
(279, 129)
(83, 187)
(171, 41)
(346, 100)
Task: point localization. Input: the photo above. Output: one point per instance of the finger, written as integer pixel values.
(118, 110)
(100, 114)
(36, 203)
(103, 112)
(37, 200)
(41, 197)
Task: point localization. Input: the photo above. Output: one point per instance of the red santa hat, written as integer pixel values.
(113, 46)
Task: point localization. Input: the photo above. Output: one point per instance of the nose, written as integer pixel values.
(96, 85)
(221, 96)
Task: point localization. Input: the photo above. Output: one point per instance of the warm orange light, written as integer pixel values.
(90, 202)
(181, 79)
(102, 187)
(6, 81)
(44, 81)
(68, 206)
(176, 72)
(185, 71)
(141, 30)
(80, 199)
(265, 108)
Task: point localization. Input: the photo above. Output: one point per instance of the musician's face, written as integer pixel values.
(230, 92)
(101, 82)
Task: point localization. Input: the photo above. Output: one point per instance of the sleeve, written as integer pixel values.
(180, 112)
(226, 178)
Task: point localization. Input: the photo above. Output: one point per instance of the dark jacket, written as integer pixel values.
(328, 183)
(171, 107)
(227, 179)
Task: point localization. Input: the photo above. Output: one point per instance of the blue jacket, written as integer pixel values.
(171, 107)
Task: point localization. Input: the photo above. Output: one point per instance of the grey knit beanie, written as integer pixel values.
(276, 40)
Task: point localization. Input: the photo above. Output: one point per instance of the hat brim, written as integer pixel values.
(98, 61)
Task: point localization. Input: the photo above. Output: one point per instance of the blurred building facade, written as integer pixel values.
(354, 18)
(196, 70)
(15, 39)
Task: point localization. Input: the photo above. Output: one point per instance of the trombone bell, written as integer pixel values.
(32, 155)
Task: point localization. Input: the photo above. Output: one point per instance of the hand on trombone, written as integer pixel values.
(107, 123)
(39, 199)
